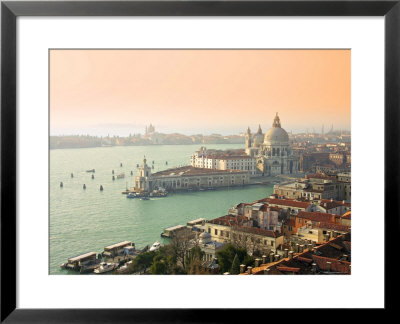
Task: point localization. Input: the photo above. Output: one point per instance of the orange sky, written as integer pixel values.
(197, 91)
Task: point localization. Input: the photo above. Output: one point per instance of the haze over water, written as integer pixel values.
(87, 220)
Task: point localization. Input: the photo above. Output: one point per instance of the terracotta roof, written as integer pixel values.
(289, 269)
(258, 231)
(336, 227)
(333, 203)
(288, 202)
(336, 265)
(317, 217)
(229, 220)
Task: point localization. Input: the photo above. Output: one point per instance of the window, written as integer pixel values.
(209, 230)
(222, 233)
(216, 232)
(272, 243)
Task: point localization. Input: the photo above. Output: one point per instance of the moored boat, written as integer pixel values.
(105, 267)
(155, 247)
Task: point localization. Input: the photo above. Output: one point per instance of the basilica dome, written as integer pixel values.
(276, 134)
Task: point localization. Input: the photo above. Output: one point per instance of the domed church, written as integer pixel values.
(272, 150)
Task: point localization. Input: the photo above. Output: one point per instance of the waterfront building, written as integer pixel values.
(272, 151)
(188, 177)
(239, 231)
(224, 160)
(267, 155)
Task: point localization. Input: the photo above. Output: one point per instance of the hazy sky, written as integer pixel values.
(197, 91)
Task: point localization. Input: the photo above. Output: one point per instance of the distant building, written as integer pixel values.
(272, 151)
(188, 177)
(224, 160)
(315, 187)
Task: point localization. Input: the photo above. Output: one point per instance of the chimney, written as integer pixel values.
(277, 256)
(257, 262)
(326, 236)
(242, 267)
(344, 258)
(286, 253)
(264, 259)
(290, 255)
(334, 234)
(271, 257)
(310, 247)
(328, 266)
(266, 271)
(331, 199)
(297, 248)
(301, 248)
(249, 269)
(314, 268)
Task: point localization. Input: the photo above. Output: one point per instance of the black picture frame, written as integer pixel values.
(10, 10)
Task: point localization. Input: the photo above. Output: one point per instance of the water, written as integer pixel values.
(87, 220)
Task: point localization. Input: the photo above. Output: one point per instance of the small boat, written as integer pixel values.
(105, 267)
(155, 247)
(145, 198)
(92, 170)
(131, 195)
(121, 176)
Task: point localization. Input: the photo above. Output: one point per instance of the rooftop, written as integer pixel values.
(82, 256)
(193, 171)
(117, 245)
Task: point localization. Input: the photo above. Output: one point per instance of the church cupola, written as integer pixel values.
(277, 121)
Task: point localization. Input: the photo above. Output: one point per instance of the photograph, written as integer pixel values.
(199, 161)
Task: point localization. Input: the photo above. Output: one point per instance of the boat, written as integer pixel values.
(132, 195)
(92, 170)
(145, 198)
(155, 247)
(121, 175)
(105, 267)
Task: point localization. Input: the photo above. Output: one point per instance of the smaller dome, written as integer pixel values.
(205, 237)
(258, 137)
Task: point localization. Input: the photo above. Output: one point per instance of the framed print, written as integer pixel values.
(184, 154)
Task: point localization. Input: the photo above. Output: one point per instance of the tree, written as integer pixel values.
(142, 262)
(226, 256)
(159, 266)
(235, 265)
(194, 260)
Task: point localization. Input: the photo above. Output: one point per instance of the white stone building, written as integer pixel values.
(272, 151)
